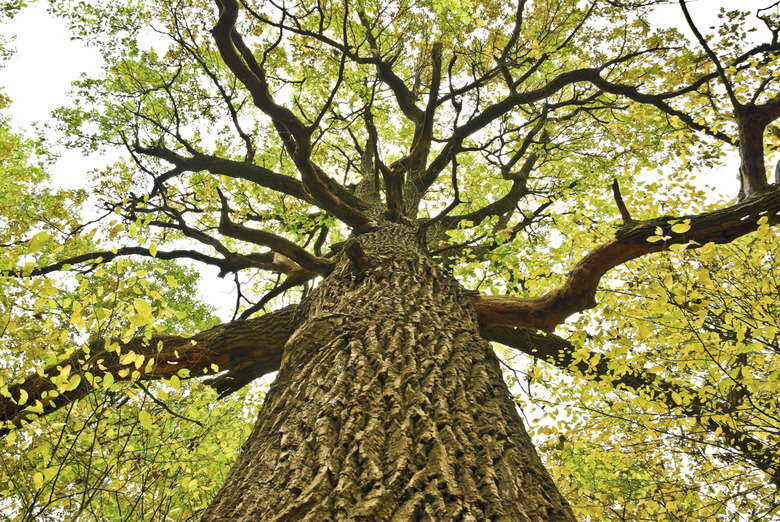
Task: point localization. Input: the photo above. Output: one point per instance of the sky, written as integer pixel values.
(38, 76)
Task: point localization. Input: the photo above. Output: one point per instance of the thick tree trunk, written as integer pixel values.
(388, 406)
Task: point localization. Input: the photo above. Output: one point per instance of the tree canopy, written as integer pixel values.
(550, 154)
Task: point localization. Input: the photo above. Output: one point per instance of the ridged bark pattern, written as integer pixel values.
(388, 406)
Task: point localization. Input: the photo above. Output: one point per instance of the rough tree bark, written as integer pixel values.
(389, 405)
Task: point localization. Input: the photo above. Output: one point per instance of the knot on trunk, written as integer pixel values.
(356, 254)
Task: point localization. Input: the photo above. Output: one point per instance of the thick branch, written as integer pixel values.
(241, 170)
(752, 121)
(234, 169)
(276, 243)
(295, 135)
(422, 144)
(578, 293)
(245, 349)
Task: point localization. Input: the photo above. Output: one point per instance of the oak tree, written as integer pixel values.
(392, 186)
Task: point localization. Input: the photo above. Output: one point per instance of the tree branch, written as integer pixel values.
(231, 263)
(276, 243)
(519, 179)
(403, 95)
(631, 241)
(419, 150)
(752, 121)
(711, 55)
(294, 134)
(245, 349)
(225, 167)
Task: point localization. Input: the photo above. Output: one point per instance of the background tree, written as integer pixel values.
(413, 197)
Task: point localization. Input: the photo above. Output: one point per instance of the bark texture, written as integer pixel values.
(388, 406)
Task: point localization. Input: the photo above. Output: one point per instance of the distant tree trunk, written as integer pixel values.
(388, 406)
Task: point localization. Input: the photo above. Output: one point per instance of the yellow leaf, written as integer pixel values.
(37, 242)
(50, 472)
(73, 383)
(680, 228)
(644, 331)
(145, 419)
(141, 306)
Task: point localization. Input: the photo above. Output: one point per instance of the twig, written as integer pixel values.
(164, 406)
(621, 206)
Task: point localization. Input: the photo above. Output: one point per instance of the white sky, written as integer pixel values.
(38, 76)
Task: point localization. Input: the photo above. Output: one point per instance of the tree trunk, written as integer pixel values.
(388, 406)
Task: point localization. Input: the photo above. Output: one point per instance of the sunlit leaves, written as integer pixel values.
(706, 322)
